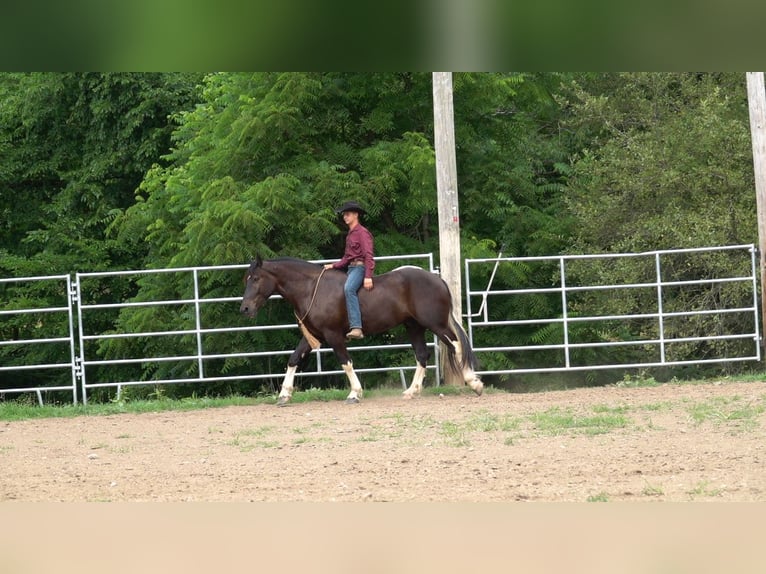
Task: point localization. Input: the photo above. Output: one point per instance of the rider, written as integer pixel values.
(358, 259)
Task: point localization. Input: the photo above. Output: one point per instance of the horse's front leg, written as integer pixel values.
(288, 384)
(356, 387)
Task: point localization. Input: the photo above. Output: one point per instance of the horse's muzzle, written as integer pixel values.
(247, 309)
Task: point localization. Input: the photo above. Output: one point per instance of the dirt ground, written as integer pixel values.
(672, 442)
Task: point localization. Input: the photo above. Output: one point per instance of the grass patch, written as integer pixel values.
(454, 434)
(485, 421)
(305, 429)
(652, 490)
(656, 407)
(558, 421)
(727, 410)
(600, 497)
(373, 436)
(319, 395)
(256, 432)
(457, 434)
(312, 440)
(20, 409)
(416, 423)
(13, 411)
(635, 381)
(25, 410)
(606, 409)
(703, 489)
(242, 442)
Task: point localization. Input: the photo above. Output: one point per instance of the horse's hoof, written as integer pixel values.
(407, 396)
(352, 401)
(283, 401)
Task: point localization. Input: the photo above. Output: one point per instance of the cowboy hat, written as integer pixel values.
(351, 206)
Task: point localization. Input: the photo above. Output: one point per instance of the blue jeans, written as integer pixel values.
(354, 281)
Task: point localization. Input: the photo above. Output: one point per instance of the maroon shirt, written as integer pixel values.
(359, 247)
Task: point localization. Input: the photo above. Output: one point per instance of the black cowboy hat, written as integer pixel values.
(351, 206)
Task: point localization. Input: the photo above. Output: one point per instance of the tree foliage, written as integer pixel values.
(75, 147)
(668, 166)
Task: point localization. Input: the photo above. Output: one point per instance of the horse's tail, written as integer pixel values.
(460, 355)
(468, 356)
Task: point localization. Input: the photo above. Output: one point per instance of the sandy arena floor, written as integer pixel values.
(498, 447)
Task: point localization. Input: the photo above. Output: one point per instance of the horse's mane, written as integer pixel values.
(283, 259)
(293, 260)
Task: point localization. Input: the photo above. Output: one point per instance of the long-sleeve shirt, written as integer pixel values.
(359, 247)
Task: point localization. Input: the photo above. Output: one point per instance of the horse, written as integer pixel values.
(409, 296)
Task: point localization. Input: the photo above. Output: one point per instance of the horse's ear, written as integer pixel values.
(258, 260)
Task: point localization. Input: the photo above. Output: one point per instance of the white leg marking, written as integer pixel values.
(356, 387)
(417, 383)
(287, 385)
(469, 376)
(473, 381)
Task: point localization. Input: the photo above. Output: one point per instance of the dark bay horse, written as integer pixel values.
(409, 295)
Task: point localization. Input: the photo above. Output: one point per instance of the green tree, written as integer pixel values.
(73, 149)
(668, 165)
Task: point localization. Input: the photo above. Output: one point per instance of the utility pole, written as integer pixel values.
(446, 191)
(756, 98)
(446, 186)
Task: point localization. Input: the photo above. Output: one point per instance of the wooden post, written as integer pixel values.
(446, 190)
(446, 186)
(756, 98)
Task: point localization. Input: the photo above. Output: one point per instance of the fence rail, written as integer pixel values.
(484, 318)
(79, 325)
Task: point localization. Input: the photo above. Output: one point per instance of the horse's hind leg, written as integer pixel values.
(458, 362)
(418, 340)
(297, 358)
(416, 386)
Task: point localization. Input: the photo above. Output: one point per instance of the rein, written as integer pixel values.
(313, 341)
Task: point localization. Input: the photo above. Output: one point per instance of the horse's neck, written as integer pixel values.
(297, 286)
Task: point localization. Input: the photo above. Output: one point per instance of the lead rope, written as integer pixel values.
(311, 339)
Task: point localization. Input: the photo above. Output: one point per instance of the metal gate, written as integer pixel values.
(663, 330)
(41, 321)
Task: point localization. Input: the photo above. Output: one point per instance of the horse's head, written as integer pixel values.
(259, 286)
